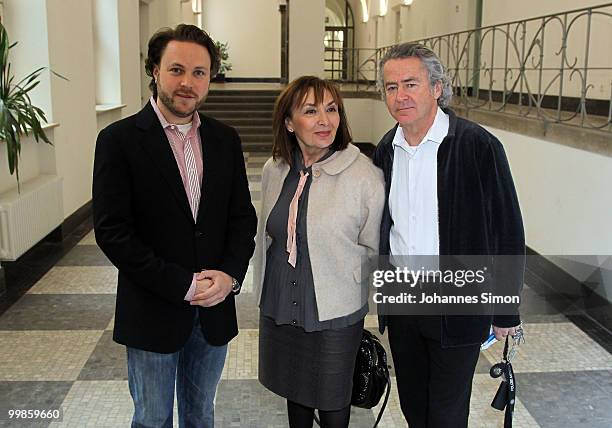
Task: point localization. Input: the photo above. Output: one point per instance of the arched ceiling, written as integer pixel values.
(334, 13)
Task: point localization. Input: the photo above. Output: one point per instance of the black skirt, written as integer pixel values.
(313, 369)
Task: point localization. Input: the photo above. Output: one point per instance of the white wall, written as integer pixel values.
(69, 50)
(495, 11)
(436, 17)
(364, 36)
(143, 37)
(368, 119)
(253, 32)
(566, 202)
(71, 54)
(164, 13)
(187, 13)
(359, 117)
(564, 193)
(31, 51)
(129, 62)
(306, 32)
(106, 51)
(382, 121)
(419, 20)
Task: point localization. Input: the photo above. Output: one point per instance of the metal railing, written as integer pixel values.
(352, 65)
(556, 68)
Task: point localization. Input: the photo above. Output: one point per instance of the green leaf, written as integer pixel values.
(18, 116)
(33, 75)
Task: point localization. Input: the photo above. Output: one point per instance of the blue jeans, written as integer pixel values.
(196, 368)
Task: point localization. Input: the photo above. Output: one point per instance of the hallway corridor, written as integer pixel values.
(57, 352)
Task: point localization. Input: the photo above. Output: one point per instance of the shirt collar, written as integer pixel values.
(298, 161)
(165, 124)
(435, 134)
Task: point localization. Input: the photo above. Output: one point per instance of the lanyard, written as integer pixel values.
(506, 394)
(510, 388)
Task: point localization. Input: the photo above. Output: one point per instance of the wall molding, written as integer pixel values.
(575, 298)
(20, 275)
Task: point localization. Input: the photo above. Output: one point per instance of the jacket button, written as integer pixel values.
(294, 322)
(199, 234)
(294, 303)
(293, 283)
(316, 173)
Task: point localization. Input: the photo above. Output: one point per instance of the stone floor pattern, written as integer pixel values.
(57, 352)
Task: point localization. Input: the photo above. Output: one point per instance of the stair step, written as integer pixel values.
(238, 106)
(256, 147)
(247, 122)
(249, 111)
(250, 138)
(254, 130)
(244, 92)
(235, 114)
(246, 98)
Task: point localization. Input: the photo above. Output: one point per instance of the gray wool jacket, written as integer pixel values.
(345, 205)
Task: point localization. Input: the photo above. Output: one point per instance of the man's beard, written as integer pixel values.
(167, 101)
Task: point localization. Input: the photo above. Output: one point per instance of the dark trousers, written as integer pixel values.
(434, 383)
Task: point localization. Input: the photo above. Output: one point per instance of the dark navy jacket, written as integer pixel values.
(478, 213)
(144, 225)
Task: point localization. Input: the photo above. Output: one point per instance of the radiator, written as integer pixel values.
(29, 216)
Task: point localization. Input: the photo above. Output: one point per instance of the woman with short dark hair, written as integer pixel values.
(322, 202)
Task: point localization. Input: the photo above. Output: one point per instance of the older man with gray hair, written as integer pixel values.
(449, 192)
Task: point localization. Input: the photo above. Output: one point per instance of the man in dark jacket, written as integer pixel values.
(172, 211)
(449, 192)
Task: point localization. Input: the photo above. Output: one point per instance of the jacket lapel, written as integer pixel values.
(212, 161)
(156, 145)
(278, 174)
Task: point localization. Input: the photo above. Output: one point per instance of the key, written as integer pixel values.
(512, 353)
(519, 336)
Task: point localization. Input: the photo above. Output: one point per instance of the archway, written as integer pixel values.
(339, 39)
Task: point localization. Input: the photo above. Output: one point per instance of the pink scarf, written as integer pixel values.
(292, 220)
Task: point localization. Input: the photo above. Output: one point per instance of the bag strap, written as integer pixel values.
(387, 376)
(384, 405)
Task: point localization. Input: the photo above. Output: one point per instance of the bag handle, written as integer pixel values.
(384, 405)
(382, 409)
(387, 376)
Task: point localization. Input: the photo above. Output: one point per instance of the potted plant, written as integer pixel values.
(225, 64)
(18, 116)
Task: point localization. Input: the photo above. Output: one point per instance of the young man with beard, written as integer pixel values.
(172, 211)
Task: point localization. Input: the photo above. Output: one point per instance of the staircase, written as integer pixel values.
(249, 111)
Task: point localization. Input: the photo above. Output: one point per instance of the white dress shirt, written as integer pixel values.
(413, 199)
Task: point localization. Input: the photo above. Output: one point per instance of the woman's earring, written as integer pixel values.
(289, 129)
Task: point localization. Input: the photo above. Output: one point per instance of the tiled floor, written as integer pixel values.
(57, 352)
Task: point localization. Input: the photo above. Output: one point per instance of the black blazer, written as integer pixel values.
(144, 225)
(478, 214)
